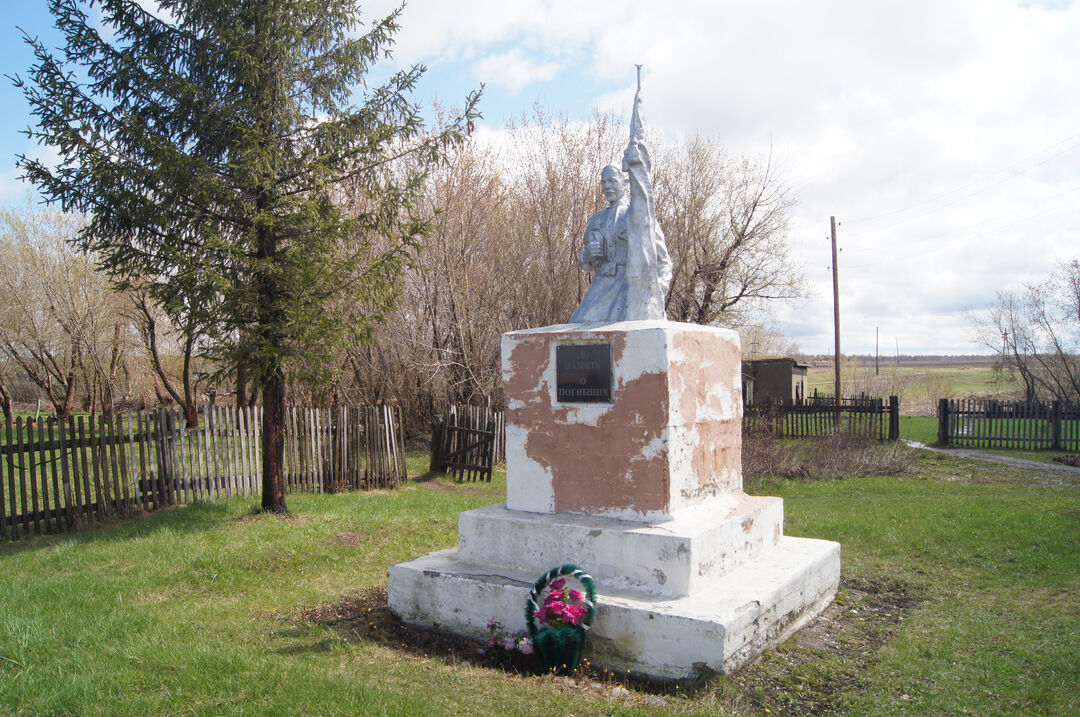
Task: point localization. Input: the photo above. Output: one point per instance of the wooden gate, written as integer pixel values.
(461, 449)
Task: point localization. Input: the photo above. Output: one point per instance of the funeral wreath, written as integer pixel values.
(559, 624)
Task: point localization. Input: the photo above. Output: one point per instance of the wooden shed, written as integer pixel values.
(777, 380)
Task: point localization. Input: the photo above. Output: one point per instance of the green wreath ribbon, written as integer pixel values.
(542, 582)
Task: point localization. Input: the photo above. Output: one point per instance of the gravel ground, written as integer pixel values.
(971, 454)
(979, 467)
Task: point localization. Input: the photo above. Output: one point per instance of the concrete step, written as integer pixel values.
(673, 558)
(716, 629)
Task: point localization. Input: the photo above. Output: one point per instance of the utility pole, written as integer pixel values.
(836, 314)
(877, 349)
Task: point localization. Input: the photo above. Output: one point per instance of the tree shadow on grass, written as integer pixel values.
(428, 476)
(138, 523)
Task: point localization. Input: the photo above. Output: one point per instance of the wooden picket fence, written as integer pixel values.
(993, 423)
(820, 416)
(57, 477)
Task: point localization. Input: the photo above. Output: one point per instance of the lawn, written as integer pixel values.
(919, 428)
(202, 609)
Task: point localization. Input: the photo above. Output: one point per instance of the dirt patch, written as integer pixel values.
(290, 518)
(367, 616)
(808, 674)
(348, 539)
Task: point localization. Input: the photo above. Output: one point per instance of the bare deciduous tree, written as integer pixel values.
(503, 254)
(60, 321)
(5, 392)
(174, 362)
(765, 340)
(726, 223)
(1036, 334)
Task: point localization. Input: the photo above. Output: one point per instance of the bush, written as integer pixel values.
(839, 455)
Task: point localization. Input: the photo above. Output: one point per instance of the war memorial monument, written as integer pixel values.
(623, 456)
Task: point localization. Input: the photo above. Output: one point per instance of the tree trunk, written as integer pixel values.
(241, 385)
(191, 405)
(191, 416)
(148, 329)
(273, 443)
(5, 404)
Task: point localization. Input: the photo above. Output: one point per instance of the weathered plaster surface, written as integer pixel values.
(669, 440)
(675, 557)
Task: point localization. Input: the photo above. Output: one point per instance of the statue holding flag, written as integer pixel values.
(624, 245)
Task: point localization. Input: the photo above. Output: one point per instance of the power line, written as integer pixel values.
(975, 231)
(977, 182)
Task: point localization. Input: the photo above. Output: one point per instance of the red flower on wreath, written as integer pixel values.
(562, 606)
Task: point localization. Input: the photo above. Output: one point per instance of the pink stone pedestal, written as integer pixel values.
(645, 493)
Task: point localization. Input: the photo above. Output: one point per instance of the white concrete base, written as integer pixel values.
(717, 629)
(671, 558)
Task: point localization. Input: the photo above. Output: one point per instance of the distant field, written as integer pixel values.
(918, 381)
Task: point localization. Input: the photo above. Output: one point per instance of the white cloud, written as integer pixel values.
(514, 70)
(909, 120)
(912, 121)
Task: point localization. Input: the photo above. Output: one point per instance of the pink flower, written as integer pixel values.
(556, 606)
(574, 614)
(508, 643)
(575, 595)
(525, 647)
(558, 584)
(543, 613)
(553, 597)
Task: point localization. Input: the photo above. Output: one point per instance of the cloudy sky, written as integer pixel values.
(943, 135)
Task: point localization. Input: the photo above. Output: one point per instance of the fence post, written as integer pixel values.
(165, 471)
(894, 418)
(943, 421)
(1056, 425)
(435, 464)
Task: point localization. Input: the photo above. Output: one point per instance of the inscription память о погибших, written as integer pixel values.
(583, 373)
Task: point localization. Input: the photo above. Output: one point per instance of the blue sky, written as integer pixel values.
(944, 135)
(15, 57)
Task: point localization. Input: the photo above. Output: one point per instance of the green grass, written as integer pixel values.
(975, 379)
(198, 609)
(998, 568)
(919, 428)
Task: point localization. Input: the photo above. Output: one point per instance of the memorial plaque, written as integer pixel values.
(583, 373)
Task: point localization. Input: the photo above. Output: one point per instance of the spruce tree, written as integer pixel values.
(211, 143)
